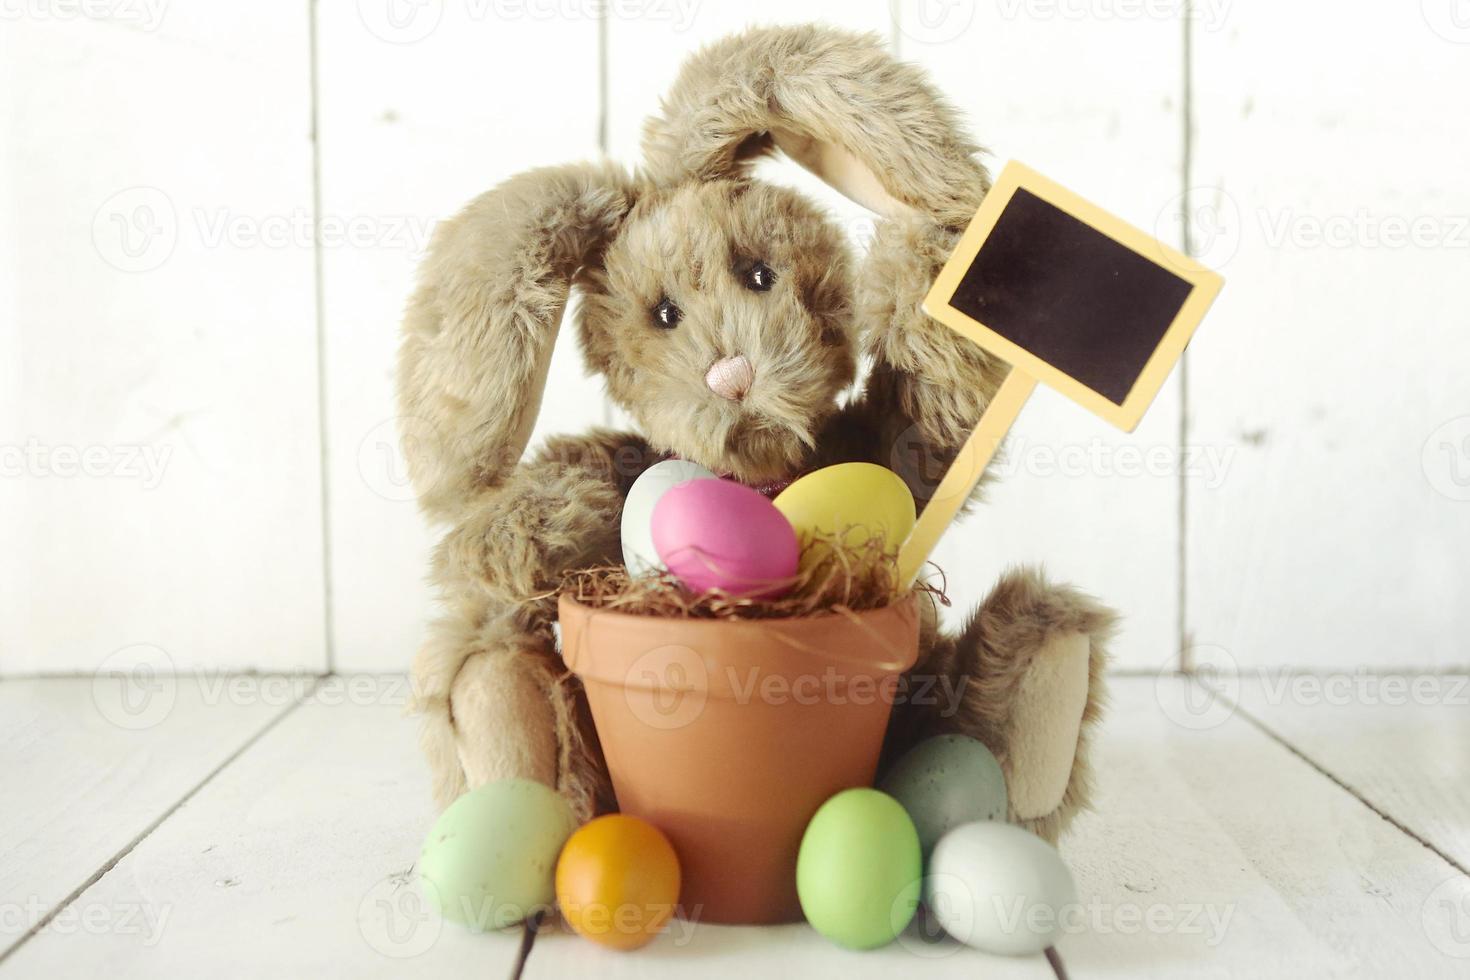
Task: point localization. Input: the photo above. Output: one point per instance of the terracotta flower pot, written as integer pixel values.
(728, 734)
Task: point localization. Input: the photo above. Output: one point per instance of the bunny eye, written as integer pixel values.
(760, 277)
(666, 315)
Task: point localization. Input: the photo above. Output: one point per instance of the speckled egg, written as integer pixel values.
(946, 781)
(490, 860)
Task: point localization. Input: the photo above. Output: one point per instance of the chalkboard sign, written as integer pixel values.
(1071, 295)
(1068, 295)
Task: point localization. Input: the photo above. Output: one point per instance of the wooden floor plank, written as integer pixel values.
(294, 861)
(1214, 851)
(1400, 742)
(90, 763)
(687, 949)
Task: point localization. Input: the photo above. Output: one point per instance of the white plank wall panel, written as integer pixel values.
(1090, 95)
(1333, 196)
(158, 427)
(423, 107)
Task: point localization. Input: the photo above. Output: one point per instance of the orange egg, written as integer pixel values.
(617, 881)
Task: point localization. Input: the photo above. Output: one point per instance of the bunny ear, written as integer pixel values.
(841, 105)
(481, 326)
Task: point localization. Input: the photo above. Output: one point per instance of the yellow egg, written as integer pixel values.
(861, 499)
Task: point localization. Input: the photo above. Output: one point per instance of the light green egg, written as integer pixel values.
(944, 782)
(859, 868)
(490, 860)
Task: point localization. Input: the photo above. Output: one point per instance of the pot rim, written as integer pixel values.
(906, 608)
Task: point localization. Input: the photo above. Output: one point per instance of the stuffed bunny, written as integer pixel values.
(727, 318)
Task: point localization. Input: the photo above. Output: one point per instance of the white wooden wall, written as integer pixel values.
(211, 215)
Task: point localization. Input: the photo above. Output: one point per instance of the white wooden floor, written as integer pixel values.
(258, 825)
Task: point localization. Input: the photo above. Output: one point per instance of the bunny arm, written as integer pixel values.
(481, 325)
(927, 386)
(556, 512)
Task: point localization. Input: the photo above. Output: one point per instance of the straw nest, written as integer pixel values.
(847, 577)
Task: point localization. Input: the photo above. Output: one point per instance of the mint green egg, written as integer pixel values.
(945, 782)
(490, 860)
(859, 868)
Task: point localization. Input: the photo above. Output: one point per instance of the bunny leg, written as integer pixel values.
(1025, 677)
(496, 699)
(497, 704)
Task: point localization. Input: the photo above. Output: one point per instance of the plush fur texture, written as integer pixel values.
(685, 263)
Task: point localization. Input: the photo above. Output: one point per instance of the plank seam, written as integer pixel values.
(529, 931)
(319, 302)
(147, 831)
(1185, 660)
(1281, 740)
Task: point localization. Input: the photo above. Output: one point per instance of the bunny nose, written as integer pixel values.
(730, 377)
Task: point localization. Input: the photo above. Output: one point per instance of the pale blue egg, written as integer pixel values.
(1000, 889)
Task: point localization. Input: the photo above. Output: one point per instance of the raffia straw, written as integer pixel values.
(849, 578)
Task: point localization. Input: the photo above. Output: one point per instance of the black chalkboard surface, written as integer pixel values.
(1083, 302)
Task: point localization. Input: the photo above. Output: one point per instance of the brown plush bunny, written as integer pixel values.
(727, 317)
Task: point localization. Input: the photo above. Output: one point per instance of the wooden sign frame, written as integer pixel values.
(1205, 282)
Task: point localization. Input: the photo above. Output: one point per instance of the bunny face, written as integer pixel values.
(721, 317)
(720, 310)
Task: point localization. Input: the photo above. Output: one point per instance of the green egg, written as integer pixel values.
(490, 860)
(946, 781)
(859, 868)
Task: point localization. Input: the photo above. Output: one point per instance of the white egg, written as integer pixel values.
(638, 552)
(1000, 889)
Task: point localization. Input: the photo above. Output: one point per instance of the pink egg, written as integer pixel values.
(717, 534)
